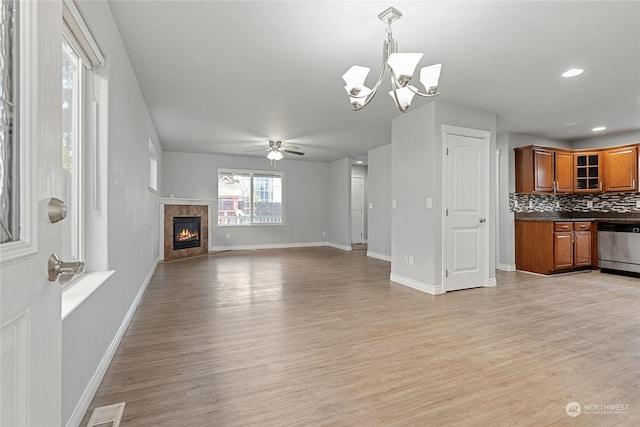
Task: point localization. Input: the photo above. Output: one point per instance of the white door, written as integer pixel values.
(357, 210)
(30, 324)
(466, 208)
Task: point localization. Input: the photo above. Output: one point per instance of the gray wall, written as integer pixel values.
(195, 176)
(623, 138)
(339, 215)
(414, 178)
(379, 195)
(129, 207)
(417, 174)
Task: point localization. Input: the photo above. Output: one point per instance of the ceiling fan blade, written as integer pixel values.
(299, 153)
(290, 147)
(254, 151)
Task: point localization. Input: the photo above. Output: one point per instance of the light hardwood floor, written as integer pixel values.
(321, 337)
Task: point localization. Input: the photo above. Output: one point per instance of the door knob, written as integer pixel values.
(55, 267)
(482, 220)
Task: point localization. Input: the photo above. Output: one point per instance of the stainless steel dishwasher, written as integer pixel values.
(619, 246)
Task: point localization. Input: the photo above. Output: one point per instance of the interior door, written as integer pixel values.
(466, 214)
(357, 210)
(30, 323)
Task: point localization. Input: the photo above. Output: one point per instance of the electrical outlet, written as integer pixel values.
(557, 205)
(228, 235)
(589, 203)
(429, 202)
(516, 204)
(405, 259)
(324, 233)
(410, 259)
(637, 203)
(530, 204)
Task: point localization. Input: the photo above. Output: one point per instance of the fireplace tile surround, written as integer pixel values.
(171, 211)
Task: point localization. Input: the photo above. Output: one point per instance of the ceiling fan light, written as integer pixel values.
(405, 96)
(403, 65)
(271, 155)
(429, 77)
(278, 155)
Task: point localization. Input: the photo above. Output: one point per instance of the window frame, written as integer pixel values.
(77, 200)
(252, 174)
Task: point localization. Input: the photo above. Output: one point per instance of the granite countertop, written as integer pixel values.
(555, 216)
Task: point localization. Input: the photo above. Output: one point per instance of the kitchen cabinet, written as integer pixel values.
(553, 170)
(543, 170)
(564, 171)
(621, 169)
(587, 172)
(552, 246)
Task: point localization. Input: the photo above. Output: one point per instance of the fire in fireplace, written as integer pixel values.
(186, 232)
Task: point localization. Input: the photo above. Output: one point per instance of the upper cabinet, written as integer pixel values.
(564, 171)
(543, 170)
(588, 172)
(553, 170)
(621, 169)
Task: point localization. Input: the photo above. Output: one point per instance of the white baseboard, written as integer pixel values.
(266, 246)
(506, 267)
(492, 283)
(83, 404)
(379, 256)
(339, 246)
(424, 287)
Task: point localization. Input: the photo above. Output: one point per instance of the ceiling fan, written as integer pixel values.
(277, 148)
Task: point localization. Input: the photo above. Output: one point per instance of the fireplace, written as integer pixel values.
(186, 232)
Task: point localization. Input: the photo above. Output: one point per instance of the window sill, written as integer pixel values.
(79, 290)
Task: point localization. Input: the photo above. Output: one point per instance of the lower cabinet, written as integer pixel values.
(549, 247)
(563, 250)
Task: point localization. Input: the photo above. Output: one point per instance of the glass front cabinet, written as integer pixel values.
(588, 172)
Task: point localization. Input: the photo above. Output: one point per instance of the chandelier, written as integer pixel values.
(401, 66)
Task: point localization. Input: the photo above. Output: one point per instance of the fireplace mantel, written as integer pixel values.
(180, 201)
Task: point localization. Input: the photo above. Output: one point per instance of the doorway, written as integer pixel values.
(357, 210)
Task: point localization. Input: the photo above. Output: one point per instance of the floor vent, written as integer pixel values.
(107, 416)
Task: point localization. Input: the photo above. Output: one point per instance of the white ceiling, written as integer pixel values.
(219, 76)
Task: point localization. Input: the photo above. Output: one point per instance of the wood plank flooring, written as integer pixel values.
(321, 337)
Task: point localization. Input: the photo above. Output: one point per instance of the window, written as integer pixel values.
(79, 56)
(9, 198)
(250, 197)
(153, 167)
(72, 118)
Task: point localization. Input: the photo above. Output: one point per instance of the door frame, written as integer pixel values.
(362, 211)
(471, 133)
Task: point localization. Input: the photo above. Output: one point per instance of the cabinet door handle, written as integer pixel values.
(633, 184)
(600, 185)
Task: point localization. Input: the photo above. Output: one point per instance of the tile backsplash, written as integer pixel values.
(567, 203)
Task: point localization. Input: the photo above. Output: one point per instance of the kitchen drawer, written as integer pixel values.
(582, 226)
(564, 226)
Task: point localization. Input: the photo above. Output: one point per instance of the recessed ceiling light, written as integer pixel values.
(573, 72)
(599, 128)
(359, 162)
(571, 123)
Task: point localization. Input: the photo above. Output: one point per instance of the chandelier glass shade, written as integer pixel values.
(401, 67)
